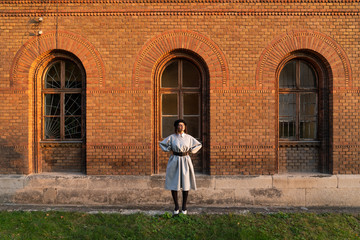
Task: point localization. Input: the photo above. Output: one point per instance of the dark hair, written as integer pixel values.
(176, 124)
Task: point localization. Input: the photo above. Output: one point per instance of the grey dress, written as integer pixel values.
(180, 171)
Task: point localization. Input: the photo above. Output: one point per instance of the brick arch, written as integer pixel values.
(320, 43)
(37, 48)
(153, 51)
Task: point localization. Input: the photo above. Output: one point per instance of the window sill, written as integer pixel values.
(299, 143)
(60, 143)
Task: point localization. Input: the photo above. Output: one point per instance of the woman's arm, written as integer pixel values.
(165, 144)
(195, 145)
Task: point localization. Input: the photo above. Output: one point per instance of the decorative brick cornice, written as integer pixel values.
(14, 147)
(346, 146)
(118, 146)
(39, 47)
(119, 91)
(343, 91)
(245, 91)
(159, 46)
(13, 91)
(61, 144)
(222, 12)
(293, 41)
(216, 146)
(299, 144)
(169, 1)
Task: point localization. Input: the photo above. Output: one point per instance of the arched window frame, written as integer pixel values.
(324, 130)
(298, 92)
(204, 131)
(180, 91)
(62, 91)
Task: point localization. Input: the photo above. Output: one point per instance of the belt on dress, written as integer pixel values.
(180, 153)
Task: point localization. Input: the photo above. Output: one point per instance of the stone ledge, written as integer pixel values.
(305, 181)
(348, 181)
(243, 182)
(333, 197)
(279, 197)
(277, 190)
(12, 181)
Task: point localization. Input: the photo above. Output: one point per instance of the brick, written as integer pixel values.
(241, 46)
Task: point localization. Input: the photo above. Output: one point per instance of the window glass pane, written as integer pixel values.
(308, 129)
(73, 78)
(287, 115)
(169, 104)
(73, 127)
(307, 76)
(170, 75)
(308, 105)
(191, 75)
(193, 126)
(52, 104)
(288, 76)
(287, 105)
(308, 115)
(167, 127)
(287, 129)
(52, 127)
(73, 104)
(191, 104)
(53, 76)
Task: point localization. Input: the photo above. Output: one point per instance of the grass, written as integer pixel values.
(75, 225)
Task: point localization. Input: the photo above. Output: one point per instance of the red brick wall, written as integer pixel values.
(298, 159)
(241, 141)
(120, 44)
(62, 158)
(14, 151)
(346, 123)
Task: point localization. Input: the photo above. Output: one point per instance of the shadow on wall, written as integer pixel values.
(11, 161)
(62, 158)
(300, 159)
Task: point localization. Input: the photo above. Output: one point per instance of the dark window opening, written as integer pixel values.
(298, 101)
(180, 95)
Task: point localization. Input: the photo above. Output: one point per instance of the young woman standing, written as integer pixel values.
(180, 171)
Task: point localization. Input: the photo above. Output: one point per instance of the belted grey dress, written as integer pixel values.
(180, 170)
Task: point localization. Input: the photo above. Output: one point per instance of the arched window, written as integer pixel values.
(60, 114)
(180, 91)
(63, 93)
(298, 101)
(181, 79)
(303, 114)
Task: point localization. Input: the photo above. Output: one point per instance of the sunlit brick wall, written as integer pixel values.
(120, 111)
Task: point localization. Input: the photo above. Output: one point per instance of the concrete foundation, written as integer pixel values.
(302, 190)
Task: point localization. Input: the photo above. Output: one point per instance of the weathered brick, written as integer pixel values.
(121, 44)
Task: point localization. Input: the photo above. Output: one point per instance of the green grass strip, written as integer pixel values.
(75, 225)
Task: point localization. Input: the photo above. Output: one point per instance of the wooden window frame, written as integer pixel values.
(298, 91)
(62, 91)
(324, 130)
(180, 91)
(204, 109)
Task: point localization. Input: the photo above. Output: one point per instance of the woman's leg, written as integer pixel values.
(185, 196)
(175, 198)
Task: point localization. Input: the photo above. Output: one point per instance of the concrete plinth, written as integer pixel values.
(277, 190)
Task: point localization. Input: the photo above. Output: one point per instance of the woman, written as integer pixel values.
(180, 171)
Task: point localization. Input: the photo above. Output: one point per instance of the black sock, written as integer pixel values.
(175, 198)
(185, 196)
